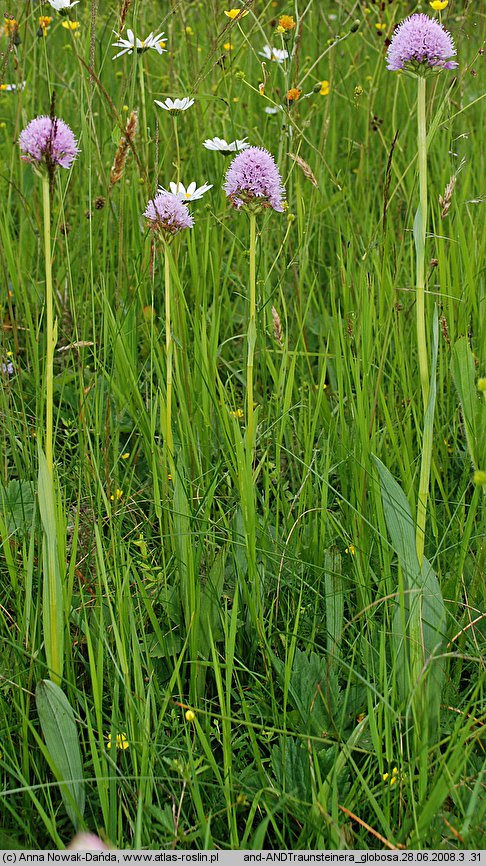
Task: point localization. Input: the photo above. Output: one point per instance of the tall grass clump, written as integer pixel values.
(242, 512)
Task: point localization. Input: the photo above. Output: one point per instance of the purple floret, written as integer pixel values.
(168, 214)
(49, 140)
(254, 174)
(420, 39)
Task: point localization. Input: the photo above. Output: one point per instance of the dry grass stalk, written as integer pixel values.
(445, 200)
(305, 168)
(123, 13)
(277, 327)
(126, 142)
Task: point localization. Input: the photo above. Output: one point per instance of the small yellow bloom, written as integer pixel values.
(238, 413)
(392, 778)
(190, 715)
(126, 455)
(121, 742)
(286, 22)
(10, 26)
(325, 88)
(116, 495)
(351, 550)
(439, 5)
(380, 26)
(70, 25)
(44, 21)
(189, 31)
(228, 46)
(233, 13)
(261, 89)
(293, 94)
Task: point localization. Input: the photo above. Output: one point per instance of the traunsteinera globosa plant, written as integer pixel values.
(253, 183)
(167, 216)
(421, 47)
(47, 143)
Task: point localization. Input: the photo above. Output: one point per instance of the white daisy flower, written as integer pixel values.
(133, 42)
(62, 5)
(278, 54)
(222, 146)
(190, 194)
(175, 105)
(9, 87)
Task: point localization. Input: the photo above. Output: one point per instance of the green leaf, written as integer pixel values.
(399, 521)
(52, 589)
(60, 733)
(464, 374)
(17, 505)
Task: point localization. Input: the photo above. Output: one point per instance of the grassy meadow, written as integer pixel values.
(248, 652)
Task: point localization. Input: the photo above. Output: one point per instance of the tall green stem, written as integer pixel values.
(420, 234)
(50, 335)
(169, 346)
(252, 333)
(420, 229)
(178, 152)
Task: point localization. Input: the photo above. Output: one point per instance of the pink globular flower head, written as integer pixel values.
(253, 181)
(420, 43)
(168, 215)
(48, 140)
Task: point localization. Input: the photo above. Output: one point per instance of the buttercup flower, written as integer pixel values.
(62, 5)
(278, 54)
(421, 41)
(168, 214)
(190, 194)
(252, 175)
(175, 105)
(50, 141)
(71, 25)
(439, 5)
(223, 147)
(325, 88)
(133, 42)
(233, 13)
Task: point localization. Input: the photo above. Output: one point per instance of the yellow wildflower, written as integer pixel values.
(44, 21)
(189, 31)
(121, 742)
(233, 13)
(351, 550)
(116, 495)
(190, 715)
(380, 26)
(10, 26)
(439, 5)
(392, 777)
(293, 94)
(325, 88)
(238, 413)
(286, 22)
(228, 46)
(70, 25)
